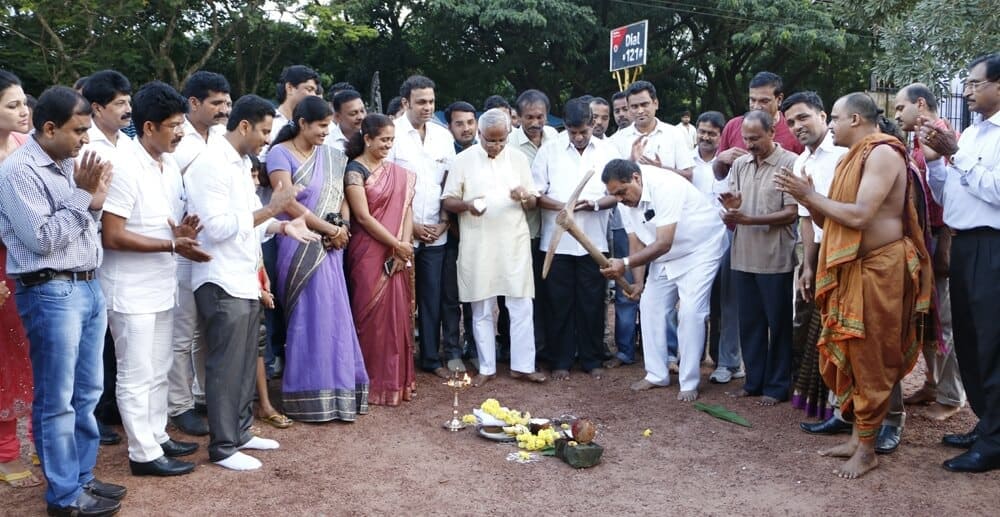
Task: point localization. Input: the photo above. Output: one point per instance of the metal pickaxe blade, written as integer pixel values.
(566, 223)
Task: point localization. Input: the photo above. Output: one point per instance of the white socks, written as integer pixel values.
(240, 461)
(260, 444)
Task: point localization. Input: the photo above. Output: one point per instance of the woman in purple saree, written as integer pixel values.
(325, 377)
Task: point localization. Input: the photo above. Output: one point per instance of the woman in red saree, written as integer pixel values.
(379, 258)
(15, 366)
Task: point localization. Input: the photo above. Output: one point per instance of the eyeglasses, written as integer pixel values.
(974, 85)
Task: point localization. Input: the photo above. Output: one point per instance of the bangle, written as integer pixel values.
(173, 247)
(597, 206)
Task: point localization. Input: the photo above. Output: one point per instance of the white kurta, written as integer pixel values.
(494, 254)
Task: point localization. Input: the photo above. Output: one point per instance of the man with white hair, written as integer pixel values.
(490, 186)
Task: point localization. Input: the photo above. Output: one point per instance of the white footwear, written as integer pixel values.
(240, 461)
(721, 375)
(260, 444)
(739, 374)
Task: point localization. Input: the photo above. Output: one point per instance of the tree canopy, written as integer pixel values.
(701, 53)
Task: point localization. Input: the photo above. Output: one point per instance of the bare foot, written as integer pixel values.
(739, 394)
(643, 385)
(481, 379)
(844, 450)
(16, 474)
(687, 396)
(560, 375)
(614, 362)
(925, 395)
(597, 373)
(767, 401)
(861, 462)
(942, 412)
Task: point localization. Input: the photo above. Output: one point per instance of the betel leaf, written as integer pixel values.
(722, 413)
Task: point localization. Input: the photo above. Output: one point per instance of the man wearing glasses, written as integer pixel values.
(967, 184)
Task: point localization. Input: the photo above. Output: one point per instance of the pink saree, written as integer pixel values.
(381, 304)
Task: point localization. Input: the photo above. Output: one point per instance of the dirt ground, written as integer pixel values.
(400, 461)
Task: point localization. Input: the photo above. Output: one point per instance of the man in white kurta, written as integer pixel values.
(490, 187)
(676, 231)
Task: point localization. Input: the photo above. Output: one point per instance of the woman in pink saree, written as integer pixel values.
(379, 258)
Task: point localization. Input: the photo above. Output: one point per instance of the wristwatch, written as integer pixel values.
(625, 261)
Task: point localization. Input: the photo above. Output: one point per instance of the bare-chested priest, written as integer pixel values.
(874, 278)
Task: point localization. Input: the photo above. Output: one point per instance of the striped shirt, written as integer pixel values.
(45, 221)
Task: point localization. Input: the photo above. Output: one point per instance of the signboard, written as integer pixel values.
(628, 46)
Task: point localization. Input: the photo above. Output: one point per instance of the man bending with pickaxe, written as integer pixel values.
(675, 232)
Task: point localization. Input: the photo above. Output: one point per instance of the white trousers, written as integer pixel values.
(143, 352)
(522, 335)
(187, 374)
(694, 290)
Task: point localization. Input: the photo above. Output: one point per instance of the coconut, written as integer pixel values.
(584, 430)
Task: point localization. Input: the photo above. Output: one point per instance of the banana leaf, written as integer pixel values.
(722, 413)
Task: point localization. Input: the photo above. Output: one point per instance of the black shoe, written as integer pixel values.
(162, 466)
(190, 423)
(87, 505)
(960, 441)
(832, 425)
(888, 439)
(105, 490)
(175, 449)
(972, 461)
(108, 435)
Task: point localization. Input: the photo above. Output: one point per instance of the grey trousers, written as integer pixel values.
(943, 374)
(231, 334)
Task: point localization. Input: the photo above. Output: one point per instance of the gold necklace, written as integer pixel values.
(299, 151)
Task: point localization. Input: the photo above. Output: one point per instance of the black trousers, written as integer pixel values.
(107, 407)
(232, 330)
(975, 289)
(435, 304)
(538, 309)
(765, 308)
(575, 290)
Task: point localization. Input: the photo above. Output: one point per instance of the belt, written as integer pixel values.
(45, 275)
(984, 231)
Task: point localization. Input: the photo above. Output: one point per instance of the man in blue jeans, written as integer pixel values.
(49, 210)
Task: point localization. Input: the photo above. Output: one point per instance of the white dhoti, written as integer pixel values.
(522, 334)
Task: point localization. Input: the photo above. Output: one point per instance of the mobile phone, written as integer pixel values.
(389, 264)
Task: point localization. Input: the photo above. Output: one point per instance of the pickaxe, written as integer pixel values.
(566, 223)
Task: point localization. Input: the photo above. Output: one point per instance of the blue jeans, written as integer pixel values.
(65, 322)
(626, 310)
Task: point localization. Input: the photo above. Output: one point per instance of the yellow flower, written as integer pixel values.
(571, 443)
(647, 433)
(564, 426)
(468, 419)
(524, 455)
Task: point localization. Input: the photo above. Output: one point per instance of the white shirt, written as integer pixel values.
(700, 234)
(105, 150)
(969, 190)
(428, 160)
(665, 141)
(336, 138)
(703, 179)
(557, 170)
(222, 193)
(820, 165)
(691, 132)
(192, 144)
(136, 282)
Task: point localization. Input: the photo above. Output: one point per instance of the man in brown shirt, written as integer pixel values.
(763, 259)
